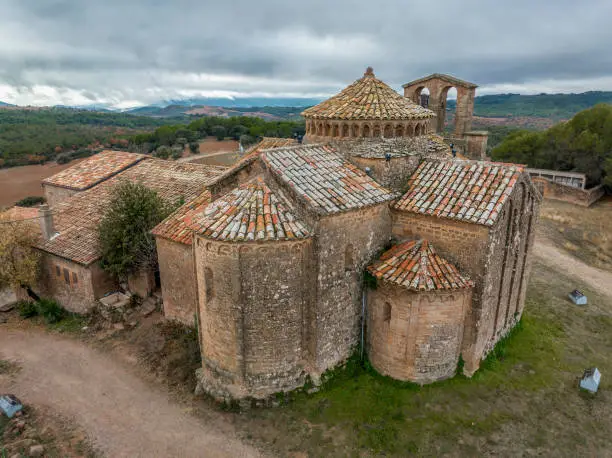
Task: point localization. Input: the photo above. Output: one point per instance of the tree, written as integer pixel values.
(194, 147)
(219, 131)
(247, 140)
(124, 233)
(19, 261)
(163, 152)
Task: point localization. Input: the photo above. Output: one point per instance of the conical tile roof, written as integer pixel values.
(416, 265)
(368, 98)
(251, 212)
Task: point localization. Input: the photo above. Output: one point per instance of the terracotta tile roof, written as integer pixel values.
(368, 98)
(77, 218)
(94, 170)
(179, 227)
(326, 181)
(416, 265)
(470, 191)
(251, 212)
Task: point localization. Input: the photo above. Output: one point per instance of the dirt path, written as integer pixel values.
(598, 279)
(122, 414)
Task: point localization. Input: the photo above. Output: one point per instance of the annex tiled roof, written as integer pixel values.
(470, 191)
(20, 213)
(326, 181)
(179, 227)
(251, 212)
(77, 218)
(94, 170)
(368, 98)
(416, 265)
(448, 78)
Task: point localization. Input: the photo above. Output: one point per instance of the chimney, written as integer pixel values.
(46, 221)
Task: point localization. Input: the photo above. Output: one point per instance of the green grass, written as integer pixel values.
(524, 396)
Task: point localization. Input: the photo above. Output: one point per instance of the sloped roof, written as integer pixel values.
(430, 146)
(368, 98)
(20, 213)
(325, 180)
(76, 219)
(251, 212)
(179, 227)
(93, 170)
(448, 78)
(469, 191)
(416, 265)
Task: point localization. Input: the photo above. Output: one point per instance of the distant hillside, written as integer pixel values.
(33, 135)
(4, 104)
(271, 113)
(554, 106)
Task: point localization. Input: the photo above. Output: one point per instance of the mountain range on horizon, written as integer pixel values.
(555, 106)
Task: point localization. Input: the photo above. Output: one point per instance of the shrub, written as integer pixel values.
(30, 201)
(50, 310)
(27, 309)
(194, 147)
(63, 158)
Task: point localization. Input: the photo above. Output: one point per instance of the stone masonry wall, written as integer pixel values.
(178, 281)
(57, 194)
(345, 244)
(557, 191)
(253, 300)
(416, 336)
(391, 174)
(73, 285)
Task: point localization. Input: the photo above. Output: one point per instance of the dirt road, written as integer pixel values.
(123, 416)
(598, 279)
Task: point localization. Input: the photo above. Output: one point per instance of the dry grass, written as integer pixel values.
(583, 232)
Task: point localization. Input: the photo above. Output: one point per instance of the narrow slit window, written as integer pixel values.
(208, 282)
(66, 276)
(75, 278)
(387, 312)
(58, 271)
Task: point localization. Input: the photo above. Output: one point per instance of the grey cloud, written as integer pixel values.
(131, 49)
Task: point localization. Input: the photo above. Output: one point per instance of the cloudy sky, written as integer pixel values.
(134, 52)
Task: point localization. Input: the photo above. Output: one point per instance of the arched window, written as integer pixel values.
(366, 131)
(208, 284)
(399, 131)
(388, 132)
(345, 130)
(387, 312)
(417, 130)
(376, 131)
(355, 131)
(349, 261)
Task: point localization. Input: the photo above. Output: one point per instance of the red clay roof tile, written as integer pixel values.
(416, 265)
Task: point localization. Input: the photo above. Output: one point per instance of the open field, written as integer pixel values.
(585, 233)
(19, 182)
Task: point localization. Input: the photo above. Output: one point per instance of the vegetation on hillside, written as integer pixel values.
(556, 106)
(31, 136)
(583, 144)
(246, 129)
(124, 233)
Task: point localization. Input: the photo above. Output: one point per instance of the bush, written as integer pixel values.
(194, 147)
(63, 158)
(27, 309)
(30, 201)
(219, 131)
(50, 310)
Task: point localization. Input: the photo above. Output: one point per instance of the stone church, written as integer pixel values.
(367, 231)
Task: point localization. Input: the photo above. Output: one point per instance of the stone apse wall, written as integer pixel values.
(416, 336)
(253, 306)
